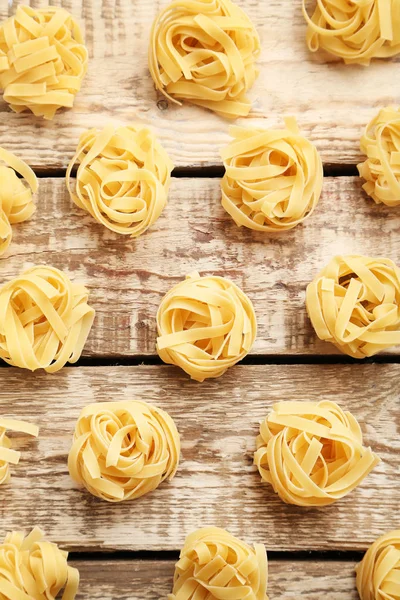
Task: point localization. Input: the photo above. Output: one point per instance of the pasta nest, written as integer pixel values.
(381, 170)
(204, 51)
(273, 178)
(123, 450)
(355, 304)
(354, 30)
(123, 178)
(378, 574)
(44, 320)
(32, 568)
(205, 325)
(16, 204)
(8, 456)
(214, 564)
(312, 453)
(43, 60)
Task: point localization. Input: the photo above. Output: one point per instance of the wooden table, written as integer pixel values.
(128, 551)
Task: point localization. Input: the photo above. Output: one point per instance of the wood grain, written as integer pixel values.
(333, 102)
(216, 483)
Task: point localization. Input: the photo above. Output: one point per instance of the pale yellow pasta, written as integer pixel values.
(16, 204)
(33, 569)
(273, 178)
(354, 303)
(205, 325)
(312, 453)
(354, 30)
(43, 60)
(215, 565)
(204, 51)
(123, 178)
(378, 574)
(44, 320)
(123, 450)
(381, 169)
(7, 455)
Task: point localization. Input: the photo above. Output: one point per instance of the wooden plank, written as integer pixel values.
(333, 102)
(152, 580)
(128, 278)
(216, 483)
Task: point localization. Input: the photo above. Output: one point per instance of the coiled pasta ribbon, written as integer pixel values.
(378, 574)
(44, 320)
(33, 569)
(123, 178)
(42, 60)
(381, 170)
(312, 453)
(16, 204)
(273, 178)
(8, 456)
(355, 304)
(354, 30)
(214, 564)
(205, 325)
(123, 450)
(204, 51)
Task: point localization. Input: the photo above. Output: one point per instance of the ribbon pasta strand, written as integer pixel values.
(354, 303)
(205, 325)
(354, 30)
(44, 320)
(7, 455)
(381, 169)
(204, 51)
(273, 178)
(43, 60)
(378, 574)
(123, 450)
(33, 569)
(214, 564)
(312, 453)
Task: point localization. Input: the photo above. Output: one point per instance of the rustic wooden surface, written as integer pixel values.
(333, 102)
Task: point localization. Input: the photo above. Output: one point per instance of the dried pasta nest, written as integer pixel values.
(16, 204)
(204, 51)
(381, 169)
(44, 320)
(354, 30)
(32, 568)
(273, 178)
(312, 453)
(378, 574)
(123, 178)
(355, 304)
(123, 450)
(205, 325)
(214, 564)
(43, 60)
(8, 456)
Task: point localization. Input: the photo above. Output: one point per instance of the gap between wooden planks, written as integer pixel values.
(332, 101)
(216, 483)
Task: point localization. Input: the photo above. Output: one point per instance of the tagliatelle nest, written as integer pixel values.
(378, 574)
(123, 450)
(381, 169)
(123, 178)
(42, 60)
(33, 568)
(273, 178)
(44, 320)
(354, 30)
(204, 51)
(205, 325)
(312, 453)
(8, 456)
(214, 564)
(355, 304)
